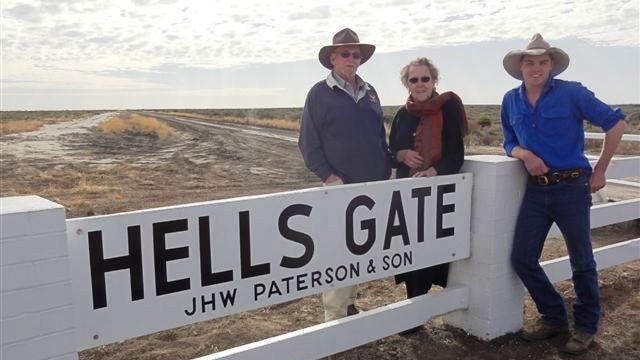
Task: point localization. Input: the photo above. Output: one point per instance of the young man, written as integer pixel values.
(542, 121)
(342, 137)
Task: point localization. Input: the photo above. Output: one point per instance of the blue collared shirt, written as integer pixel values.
(553, 129)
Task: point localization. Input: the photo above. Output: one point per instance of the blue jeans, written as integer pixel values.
(568, 205)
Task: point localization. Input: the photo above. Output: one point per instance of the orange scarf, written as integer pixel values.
(428, 139)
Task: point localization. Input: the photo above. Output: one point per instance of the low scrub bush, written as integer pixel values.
(18, 126)
(137, 125)
(484, 121)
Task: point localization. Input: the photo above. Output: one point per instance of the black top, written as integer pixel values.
(402, 134)
(403, 130)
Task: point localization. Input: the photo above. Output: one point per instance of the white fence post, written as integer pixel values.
(496, 294)
(37, 318)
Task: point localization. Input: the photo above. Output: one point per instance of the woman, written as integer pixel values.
(426, 140)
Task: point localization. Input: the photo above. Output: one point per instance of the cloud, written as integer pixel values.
(319, 12)
(99, 39)
(153, 2)
(25, 12)
(460, 17)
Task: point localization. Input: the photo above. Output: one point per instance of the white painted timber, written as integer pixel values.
(624, 183)
(343, 334)
(146, 271)
(38, 312)
(600, 136)
(606, 256)
(620, 168)
(609, 214)
(36, 302)
(496, 294)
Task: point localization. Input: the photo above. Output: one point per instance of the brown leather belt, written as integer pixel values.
(556, 177)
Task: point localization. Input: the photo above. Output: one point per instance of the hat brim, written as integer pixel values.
(324, 55)
(511, 61)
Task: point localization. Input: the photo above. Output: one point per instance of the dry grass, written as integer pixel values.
(267, 122)
(281, 124)
(12, 122)
(484, 120)
(18, 126)
(137, 125)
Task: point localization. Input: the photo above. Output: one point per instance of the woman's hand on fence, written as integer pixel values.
(426, 173)
(410, 157)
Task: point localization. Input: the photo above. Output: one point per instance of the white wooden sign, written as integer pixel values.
(141, 272)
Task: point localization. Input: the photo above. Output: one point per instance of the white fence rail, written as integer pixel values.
(600, 136)
(606, 256)
(344, 334)
(51, 267)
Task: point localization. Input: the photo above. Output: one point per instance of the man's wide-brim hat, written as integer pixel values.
(536, 46)
(345, 37)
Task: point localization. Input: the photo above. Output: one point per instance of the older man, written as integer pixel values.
(542, 120)
(342, 137)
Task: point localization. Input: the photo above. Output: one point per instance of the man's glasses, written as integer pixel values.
(424, 79)
(345, 55)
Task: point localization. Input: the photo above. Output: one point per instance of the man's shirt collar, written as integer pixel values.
(334, 80)
(551, 83)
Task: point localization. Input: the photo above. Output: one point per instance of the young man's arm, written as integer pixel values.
(535, 166)
(611, 141)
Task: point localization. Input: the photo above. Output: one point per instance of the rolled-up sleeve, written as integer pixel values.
(510, 139)
(595, 111)
(310, 141)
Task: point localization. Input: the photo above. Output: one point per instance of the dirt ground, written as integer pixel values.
(91, 173)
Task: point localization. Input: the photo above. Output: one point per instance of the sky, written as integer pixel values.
(173, 54)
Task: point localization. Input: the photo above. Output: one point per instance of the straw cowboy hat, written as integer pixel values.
(345, 37)
(536, 46)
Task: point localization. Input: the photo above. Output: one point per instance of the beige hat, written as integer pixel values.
(536, 46)
(345, 37)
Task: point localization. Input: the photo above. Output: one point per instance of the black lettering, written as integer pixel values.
(328, 273)
(301, 281)
(396, 260)
(315, 278)
(341, 273)
(274, 290)
(369, 225)
(100, 266)
(162, 255)
(228, 298)
(421, 194)
(205, 302)
(408, 258)
(396, 210)
(287, 283)
(258, 289)
(295, 236)
(354, 270)
(206, 276)
(193, 307)
(248, 270)
(385, 262)
(442, 209)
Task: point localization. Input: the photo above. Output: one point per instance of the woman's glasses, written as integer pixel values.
(345, 54)
(424, 79)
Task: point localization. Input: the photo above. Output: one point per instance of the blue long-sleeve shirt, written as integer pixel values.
(554, 130)
(341, 136)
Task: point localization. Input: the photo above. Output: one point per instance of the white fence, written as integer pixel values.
(68, 285)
